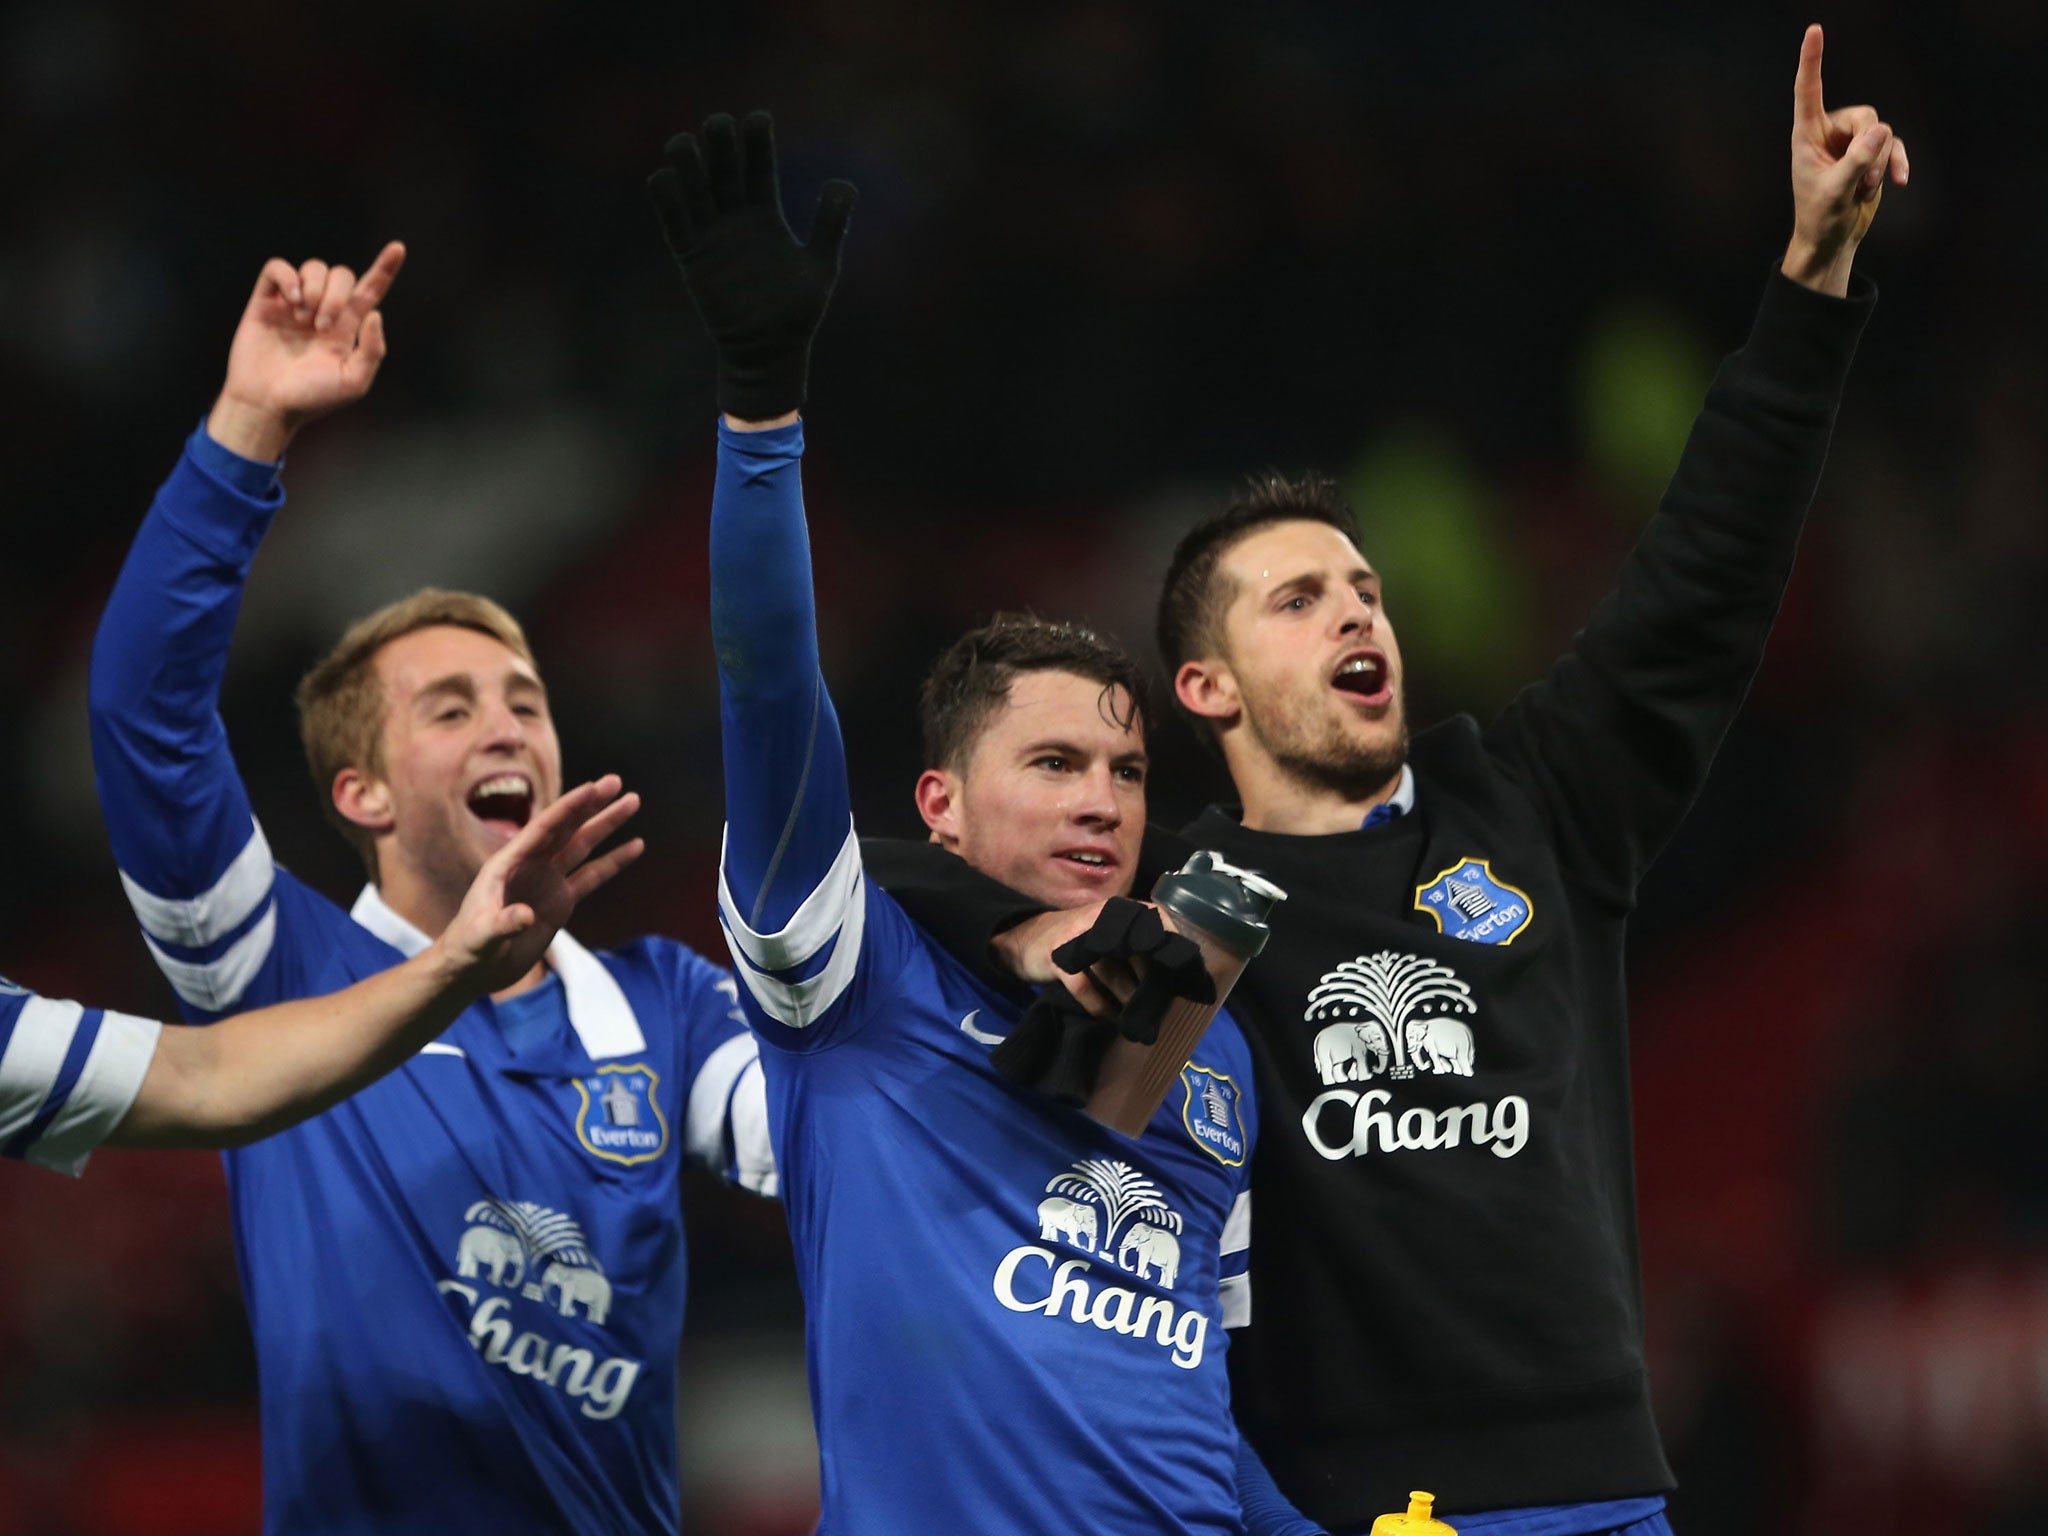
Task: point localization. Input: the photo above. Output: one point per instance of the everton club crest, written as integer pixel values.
(620, 1119)
(1469, 903)
(1212, 1111)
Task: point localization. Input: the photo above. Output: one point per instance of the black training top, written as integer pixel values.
(1446, 1285)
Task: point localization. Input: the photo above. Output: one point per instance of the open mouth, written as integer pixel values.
(1090, 859)
(1364, 677)
(505, 801)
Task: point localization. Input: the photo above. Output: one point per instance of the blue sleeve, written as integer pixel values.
(791, 894)
(725, 1104)
(193, 860)
(1266, 1510)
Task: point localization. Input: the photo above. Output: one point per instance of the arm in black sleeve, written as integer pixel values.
(950, 899)
(1615, 741)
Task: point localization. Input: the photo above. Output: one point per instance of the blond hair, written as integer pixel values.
(341, 700)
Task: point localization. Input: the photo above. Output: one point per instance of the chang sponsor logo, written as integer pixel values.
(537, 1254)
(1399, 1017)
(1113, 1213)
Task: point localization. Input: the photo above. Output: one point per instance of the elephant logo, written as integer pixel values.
(619, 1116)
(1151, 1246)
(1068, 1220)
(1390, 1014)
(1108, 1208)
(1468, 902)
(534, 1250)
(493, 1252)
(576, 1283)
(1441, 1045)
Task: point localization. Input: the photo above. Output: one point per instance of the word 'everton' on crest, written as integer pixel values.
(620, 1118)
(1469, 903)
(1212, 1113)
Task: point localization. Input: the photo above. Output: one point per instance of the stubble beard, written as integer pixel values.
(1311, 748)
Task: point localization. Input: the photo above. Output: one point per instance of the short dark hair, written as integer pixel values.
(972, 678)
(1191, 602)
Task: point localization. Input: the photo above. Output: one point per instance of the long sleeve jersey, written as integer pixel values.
(1447, 1261)
(68, 1074)
(1014, 1316)
(466, 1282)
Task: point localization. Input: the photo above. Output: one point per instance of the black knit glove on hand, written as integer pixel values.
(761, 295)
(1130, 930)
(1057, 1046)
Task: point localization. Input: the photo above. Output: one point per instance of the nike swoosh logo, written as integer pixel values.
(967, 1028)
(436, 1048)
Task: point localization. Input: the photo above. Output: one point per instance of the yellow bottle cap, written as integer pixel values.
(1416, 1522)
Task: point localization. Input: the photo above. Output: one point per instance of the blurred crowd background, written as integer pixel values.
(1475, 259)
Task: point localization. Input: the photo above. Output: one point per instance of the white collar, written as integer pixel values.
(1402, 800)
(598, 1010)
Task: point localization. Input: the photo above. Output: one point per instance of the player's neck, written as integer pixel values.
(1276, 799)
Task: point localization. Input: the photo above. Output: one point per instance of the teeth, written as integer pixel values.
(1358, 664)
(503, 784)
(1088, 858)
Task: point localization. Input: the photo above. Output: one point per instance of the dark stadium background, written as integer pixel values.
(1475, 259)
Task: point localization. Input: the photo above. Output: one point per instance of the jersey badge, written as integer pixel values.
(1468, 902)
(1213, 1113)
(620, 1117)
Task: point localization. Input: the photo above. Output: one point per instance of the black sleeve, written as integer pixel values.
(950, 899)
(1616, 739)
(963, 909)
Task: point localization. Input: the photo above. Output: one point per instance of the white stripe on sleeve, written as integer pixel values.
(811, 927)
(217, 985)
(105, 1090)
(216, 912)
(1237, 1226)
(35, 1055)
(704, 1116)
(1236, 1292)
(753, 1151)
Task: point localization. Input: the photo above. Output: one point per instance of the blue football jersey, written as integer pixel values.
(1014, 1316)
(465, 1283)
(67, 1075)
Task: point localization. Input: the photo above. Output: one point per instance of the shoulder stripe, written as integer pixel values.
(106, 1089)
(218, 985)
(35, 1055)
(800, 1003)
(811, 928)
(1236, 1294)
(704, 1115)
(753, 1149)
(1237, 1226)
(196, 921)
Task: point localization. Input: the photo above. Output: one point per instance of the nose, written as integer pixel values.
(504, 728)
(1354, 614)
(1096, 806)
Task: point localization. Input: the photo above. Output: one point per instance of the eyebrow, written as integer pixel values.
(1314, 579)
(1068, 749)
(462, 686)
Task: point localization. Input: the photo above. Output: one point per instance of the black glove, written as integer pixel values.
(1130, 930)
(1056, 1046)
(761, 295)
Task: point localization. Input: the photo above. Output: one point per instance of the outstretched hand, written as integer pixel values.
(1840, 163)
(760, 293)
(527, 890)
(311, 341)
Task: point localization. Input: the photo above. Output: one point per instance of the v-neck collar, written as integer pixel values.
(598, 1010)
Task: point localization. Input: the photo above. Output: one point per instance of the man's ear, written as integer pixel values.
(938, 802)
(1207, 689)
(364, 800)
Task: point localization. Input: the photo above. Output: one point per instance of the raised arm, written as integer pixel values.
(790, 891)
(1617, 739)
(194, 862)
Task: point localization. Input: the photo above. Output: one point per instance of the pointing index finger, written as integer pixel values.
(1807, 105)
(375, 283)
